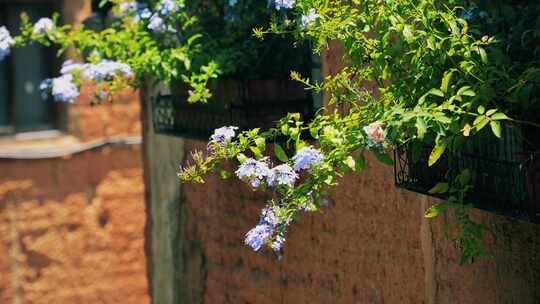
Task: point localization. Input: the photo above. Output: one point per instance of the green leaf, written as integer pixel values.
(480, 122)
(437, 152)
(446, 80)
(256, 152)
(440, 188)
(464, 177)
(481, 109)
(499, 116)
(496, 128)
(433, 91)
(361, 163)
(436, 92)
(384, 158)
(437, 209)
(280, 153)
(421, 127)
(490, 112)
(224, 174)
(466, 90)
(483, 55)
(241, 157)
(260, 142)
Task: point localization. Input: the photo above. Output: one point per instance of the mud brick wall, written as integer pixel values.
(372, 245)
(71, 230)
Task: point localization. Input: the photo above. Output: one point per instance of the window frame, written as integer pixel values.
(59, 111)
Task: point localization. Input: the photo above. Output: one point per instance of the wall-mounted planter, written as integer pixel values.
(506, 175)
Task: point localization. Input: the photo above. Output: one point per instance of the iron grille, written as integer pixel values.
(251, 104)
(505, 177)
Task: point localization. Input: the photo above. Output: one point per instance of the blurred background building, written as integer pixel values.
(71, 186)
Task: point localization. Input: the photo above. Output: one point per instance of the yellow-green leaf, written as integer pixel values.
(261, 143)
(439, 188)
(437, 209)
(499, 116)
(241, 157)
(351, 163)
(437, 152)
(483, 55)
(496, 128)
(421, 127)
(446, 81)
(256, 152)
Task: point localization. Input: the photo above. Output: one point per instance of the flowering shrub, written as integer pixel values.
(417, 72)
(151, 42)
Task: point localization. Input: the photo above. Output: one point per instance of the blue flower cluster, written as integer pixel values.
(286, 4)
(167, 7)
(254, 171)
(6, 42)
(310, 18)
(106, 70)
(42, 26)
(127, 8)
(223, 135)
(264, 232)
(307, 158)
(257, 172)
(158, 21)
(62, 88)
(282, 175)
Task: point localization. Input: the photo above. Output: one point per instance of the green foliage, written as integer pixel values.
(429, 72)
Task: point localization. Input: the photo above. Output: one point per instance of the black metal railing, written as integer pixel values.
(173, 115)
(505, 175)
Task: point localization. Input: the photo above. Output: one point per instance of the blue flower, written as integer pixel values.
(259, 236)
(310, 18)
(6, 42)
(284, 4)
(282, 175)
(264, 231)
(106, 70)
(306, 158)
(157, 24)
(167, 7)
(127, 8)
(278, 243)
(69, 66)
(253, 171)
(223, 135)
(269, 217)
(144, 13)
(43, 25)
(62, 88)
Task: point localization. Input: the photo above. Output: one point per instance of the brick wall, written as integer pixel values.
(72, 227)
(372, 245)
